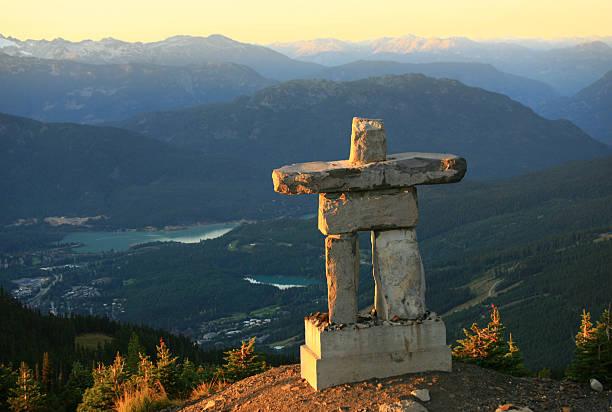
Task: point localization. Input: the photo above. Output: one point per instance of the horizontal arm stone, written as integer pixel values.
(399, 170)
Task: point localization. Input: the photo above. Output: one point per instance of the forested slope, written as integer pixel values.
(527, 243)
(27, 335)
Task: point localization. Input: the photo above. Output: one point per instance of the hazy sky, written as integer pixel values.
(265, 21)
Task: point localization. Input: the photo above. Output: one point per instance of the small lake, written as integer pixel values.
(281, 282)
(95, 242)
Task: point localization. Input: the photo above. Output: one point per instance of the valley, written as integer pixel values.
(518, 240)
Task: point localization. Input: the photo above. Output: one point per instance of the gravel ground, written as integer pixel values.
(466, 388)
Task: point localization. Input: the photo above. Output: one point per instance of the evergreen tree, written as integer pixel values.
(47, 373)
(78, 381)
(593, 353)
(133, 355)
(189, 377)
(166, 370)
(488, 348)
(26, 394)
(243, 362)
(8, 379)
(146, 370)
(107, 387)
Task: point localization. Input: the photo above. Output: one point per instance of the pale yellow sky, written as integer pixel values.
(266, 21)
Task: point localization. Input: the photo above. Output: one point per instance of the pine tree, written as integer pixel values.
(593, 353)
(133, 355)
(107, 387)
(8, 379)
(78, 381)
(26, 394)
(47, 373)
(146, 370)
(189, 377)
(166, 370)
(243, 362)
(488, 348)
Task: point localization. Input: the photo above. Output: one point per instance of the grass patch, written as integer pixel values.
(268, 310)
(233, 317)
(91, 340)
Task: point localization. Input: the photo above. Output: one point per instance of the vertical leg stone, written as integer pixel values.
(398, 274)
(342, 270)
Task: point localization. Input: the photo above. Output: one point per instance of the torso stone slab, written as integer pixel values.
(374, 209)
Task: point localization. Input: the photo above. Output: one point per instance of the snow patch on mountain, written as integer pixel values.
(7, 43)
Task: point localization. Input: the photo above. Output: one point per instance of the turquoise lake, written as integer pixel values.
(120, 241)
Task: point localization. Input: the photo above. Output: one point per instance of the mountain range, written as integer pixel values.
(212, 163)
(306, 120)
(567, 69)
(64, 169)
(174, 51)
(334, 48)
(66, 90)
(591, 109)
(532, 93)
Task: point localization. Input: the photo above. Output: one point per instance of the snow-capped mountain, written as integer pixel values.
(567, 64)
(174, 51)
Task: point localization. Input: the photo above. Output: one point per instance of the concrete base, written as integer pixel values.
(352, 354)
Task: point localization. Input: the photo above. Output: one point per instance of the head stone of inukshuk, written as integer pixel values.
(375, 192)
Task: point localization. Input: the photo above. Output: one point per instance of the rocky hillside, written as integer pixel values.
(65, 90)
(467, 388)
(591, 109)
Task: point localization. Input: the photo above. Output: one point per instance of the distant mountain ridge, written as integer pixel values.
(530, 92)
(591, 109)
(64, 169)
(212, 163)
(174, 51)
(66, 90)
(567, 69)
(412, 43)
(307, 120)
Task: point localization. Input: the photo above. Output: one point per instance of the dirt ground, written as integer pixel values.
(466, 388)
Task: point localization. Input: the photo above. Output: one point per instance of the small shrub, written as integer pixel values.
(544, 373)
(142, 398)
(243, 362)
(206, 388)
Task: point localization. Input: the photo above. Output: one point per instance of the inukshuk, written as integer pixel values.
(375, 192)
